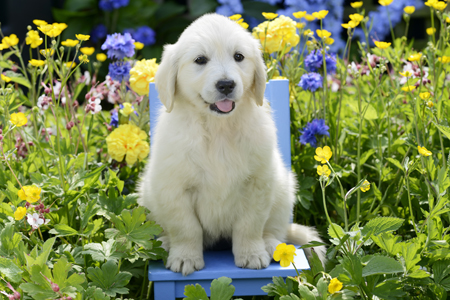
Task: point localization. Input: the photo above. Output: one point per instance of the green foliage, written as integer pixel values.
(220, 290)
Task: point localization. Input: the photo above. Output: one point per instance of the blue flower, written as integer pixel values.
(314, 61)
(330, 60)
(316, 128)
(145, 35)
(119, 46)
(311, 81)
(229, 7)
(114, 118)
(119, 70)
(98, 32)
(109, 5)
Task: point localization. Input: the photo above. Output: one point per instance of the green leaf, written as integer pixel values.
(371, 112)
(410, 255)
(18, 78)
(63, 230)
(388, 242)
(419, 274)
(381, 224)
(352, 264)
(87, 212)
(104, 251)
(10, 269)
(109, 279)
(221, 289)
(389, 289)
(196, 292)
(444, 129)
(379, 265)
(200, 7)
(365, 156)
(441, 269)
(335, 231)
(95, 293)
(305, 292)
(395, 163)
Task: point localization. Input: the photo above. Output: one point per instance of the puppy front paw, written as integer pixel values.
(184, 265)
(259, 259)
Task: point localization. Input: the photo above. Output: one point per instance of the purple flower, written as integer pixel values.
(314, 61)
(109, 5)
(145, 35)
(114, 118)
(311, 81)
(330, 60)
(98, 32)
(316, 128)
(119, 70)
(119, 46)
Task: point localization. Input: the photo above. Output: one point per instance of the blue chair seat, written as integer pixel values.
(169, 285)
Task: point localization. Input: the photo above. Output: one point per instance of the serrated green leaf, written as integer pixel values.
(109, 279)
(379, 265)
(409, 251)
(444, 129)
(104, 251)
(196, 292)
(221, 289)
(389, 289)
(352, 264)
(306, 293)
(419, 274)
(388, 242)
(441, 269)
(335, 231)
(63, 230)
(381, 224)
(395, 163)
(10, 269)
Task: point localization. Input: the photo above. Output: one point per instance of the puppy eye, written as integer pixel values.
(238, 57)
(201, 60)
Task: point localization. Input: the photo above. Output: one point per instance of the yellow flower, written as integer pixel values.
(5, 78)
(430, 104)
(235, 17)
(356, 4)
(127, 109)
(385, 2)
(431, 3)
(47, 52)
(329, 41)
(447, 20)
(307, 31)
(284, 254)
(243, 24)
(310, 18)
(424, 151)
(101, 57)
(142, 74)
(356, 17)
(83, 58)
(269, 15)
(409, 9)
(323, 154)
(350, 24)
(52, 30)
(334, 286)
(45, 28)
(323, 33)
(39, 22)
(431, 30)
(70, 43)
(299, 14)
(365, 186)
(301, 25)
(33, 39)
(320, 14)
(3, 46)
(323, 170)
(31, 193)
(130, 141)
(382, 45)
(408, 88)
(19, 120)
(138, 45)
(406, 74)
(36, 62)
(441, 5)
(444, 59)
(82, 37)
(415, 57)
(10, 41)
(277, 35)
(20, 213)
(424, 96)
(87, 50)
(71, 64)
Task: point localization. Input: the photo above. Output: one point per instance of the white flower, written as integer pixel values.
(94, 106)
(87, 77)
(43, 102)
(34, 220)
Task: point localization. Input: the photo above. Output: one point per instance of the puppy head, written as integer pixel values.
(215, 65)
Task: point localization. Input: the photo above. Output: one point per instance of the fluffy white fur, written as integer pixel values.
(212, 175)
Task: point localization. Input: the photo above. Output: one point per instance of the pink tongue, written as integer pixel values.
(225, 105)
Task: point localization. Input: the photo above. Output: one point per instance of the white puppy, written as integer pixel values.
(215, 170)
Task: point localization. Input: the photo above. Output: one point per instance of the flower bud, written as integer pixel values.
(61, 49)
(363, 44)
(35, 109)
(47, 210)
(53, 42)
(69, 125)
(55, 287)
(16, 295)
(29, 27)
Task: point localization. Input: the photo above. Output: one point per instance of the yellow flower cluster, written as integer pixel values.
(142, 74)
(127, 109)
(276, 35)
(70, 43)
(52, 30)
(382, 45)
(87, 50)
(36, 62)
(284, 254)
(33, 39)
(438, 5)
(9, 41)
(5, 78)
(130, 141)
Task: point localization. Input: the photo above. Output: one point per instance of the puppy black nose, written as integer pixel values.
(225, 86)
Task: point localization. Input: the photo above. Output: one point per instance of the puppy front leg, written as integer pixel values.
(185, 236)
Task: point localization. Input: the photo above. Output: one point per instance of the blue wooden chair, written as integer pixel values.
(169, 285)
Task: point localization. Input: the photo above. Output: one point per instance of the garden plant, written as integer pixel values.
(370, 142)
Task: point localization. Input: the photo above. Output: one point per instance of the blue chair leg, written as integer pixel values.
(164, 290)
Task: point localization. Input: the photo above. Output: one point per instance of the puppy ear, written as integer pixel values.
(166, 77)
(259, 81)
